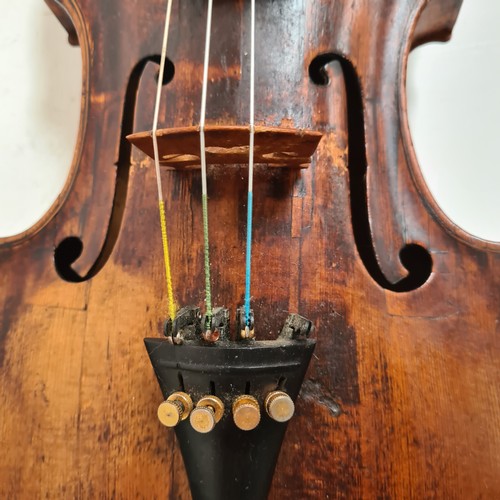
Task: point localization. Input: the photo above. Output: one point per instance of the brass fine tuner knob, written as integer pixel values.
(279, 406)
(246, 412)
(175, 409)
(208, 412)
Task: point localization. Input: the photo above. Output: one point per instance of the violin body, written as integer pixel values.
(401, 399)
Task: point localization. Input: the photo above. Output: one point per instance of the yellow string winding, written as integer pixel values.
(166, 255)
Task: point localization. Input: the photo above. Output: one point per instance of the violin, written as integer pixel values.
(245, 196)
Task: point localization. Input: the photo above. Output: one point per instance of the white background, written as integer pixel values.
(454, 105)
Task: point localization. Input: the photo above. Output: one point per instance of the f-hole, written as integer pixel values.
(414, 258)
(69, 249)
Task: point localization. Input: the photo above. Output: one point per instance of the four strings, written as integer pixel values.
(161, 203)
(206, 246)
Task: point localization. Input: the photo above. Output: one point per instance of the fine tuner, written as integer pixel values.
(210, 410)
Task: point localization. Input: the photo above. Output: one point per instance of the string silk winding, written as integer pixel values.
(204, 194)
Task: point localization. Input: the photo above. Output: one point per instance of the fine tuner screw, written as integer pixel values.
(246, 412)
(175, 409)
(208, 412)
(279, 406)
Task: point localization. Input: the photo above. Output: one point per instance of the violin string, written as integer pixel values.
(204, 194)
(248, 264)
(161, 202)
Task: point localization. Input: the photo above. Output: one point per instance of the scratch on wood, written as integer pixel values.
(314, 391)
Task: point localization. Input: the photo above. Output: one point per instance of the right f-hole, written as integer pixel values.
(414, 258)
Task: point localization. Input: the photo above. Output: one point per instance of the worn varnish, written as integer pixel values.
(402, 398)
